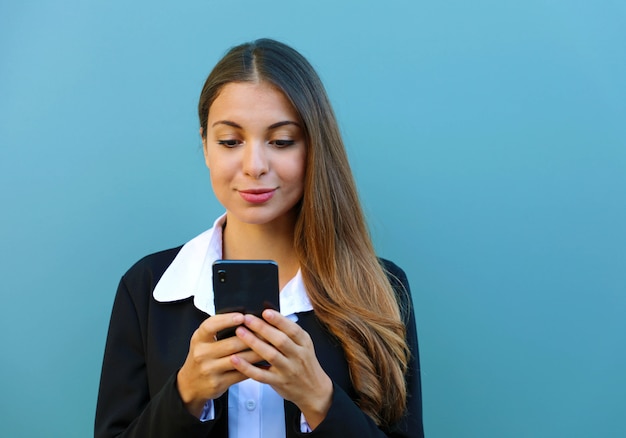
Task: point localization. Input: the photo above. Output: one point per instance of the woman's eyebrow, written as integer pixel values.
(269, 128)
(279, 124)
(226, 122)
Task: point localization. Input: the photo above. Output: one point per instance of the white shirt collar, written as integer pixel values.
(190, 274)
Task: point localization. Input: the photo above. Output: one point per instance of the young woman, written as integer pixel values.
(342, 351)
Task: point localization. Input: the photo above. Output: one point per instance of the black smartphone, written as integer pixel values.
(245, 286)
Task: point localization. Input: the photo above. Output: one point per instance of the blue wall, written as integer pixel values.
(489, 143)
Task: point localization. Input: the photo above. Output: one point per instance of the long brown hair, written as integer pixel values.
(347, 285)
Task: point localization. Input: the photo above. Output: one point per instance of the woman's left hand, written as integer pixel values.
(294, 371)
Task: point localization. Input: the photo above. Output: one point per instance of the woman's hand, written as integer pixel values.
(294, 371)
(208, 371)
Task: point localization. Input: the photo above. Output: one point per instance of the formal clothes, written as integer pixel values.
(162, 300)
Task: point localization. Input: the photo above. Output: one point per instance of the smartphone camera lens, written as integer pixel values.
(221, 275)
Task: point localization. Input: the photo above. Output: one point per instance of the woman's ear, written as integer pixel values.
(204, 148)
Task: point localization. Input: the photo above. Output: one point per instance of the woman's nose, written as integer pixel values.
(255, 162)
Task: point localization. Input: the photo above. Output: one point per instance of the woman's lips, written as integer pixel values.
(257, 196)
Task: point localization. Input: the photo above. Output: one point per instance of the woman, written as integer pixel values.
(343, 350)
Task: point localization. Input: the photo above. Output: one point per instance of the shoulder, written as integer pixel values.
(149, 269)
(397, 276)
(400, 285)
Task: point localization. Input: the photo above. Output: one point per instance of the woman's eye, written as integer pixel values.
(282, 143)
(228, 143)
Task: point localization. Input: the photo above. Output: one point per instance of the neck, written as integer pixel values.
(272, 241)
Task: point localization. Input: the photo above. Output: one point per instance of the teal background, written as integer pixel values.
(488, 139)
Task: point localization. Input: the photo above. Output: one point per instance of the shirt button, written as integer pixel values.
(250, 405)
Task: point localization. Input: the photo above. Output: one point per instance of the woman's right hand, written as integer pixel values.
(207, 372)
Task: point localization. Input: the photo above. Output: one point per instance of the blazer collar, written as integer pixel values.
(190, 274)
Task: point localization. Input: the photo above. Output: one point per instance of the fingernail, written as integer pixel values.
(238, 318)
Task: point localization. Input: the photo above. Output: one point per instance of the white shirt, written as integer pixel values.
(254, 409)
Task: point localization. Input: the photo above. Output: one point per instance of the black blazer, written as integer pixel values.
(148, 342)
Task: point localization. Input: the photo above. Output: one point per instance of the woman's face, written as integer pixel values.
(255, 149)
